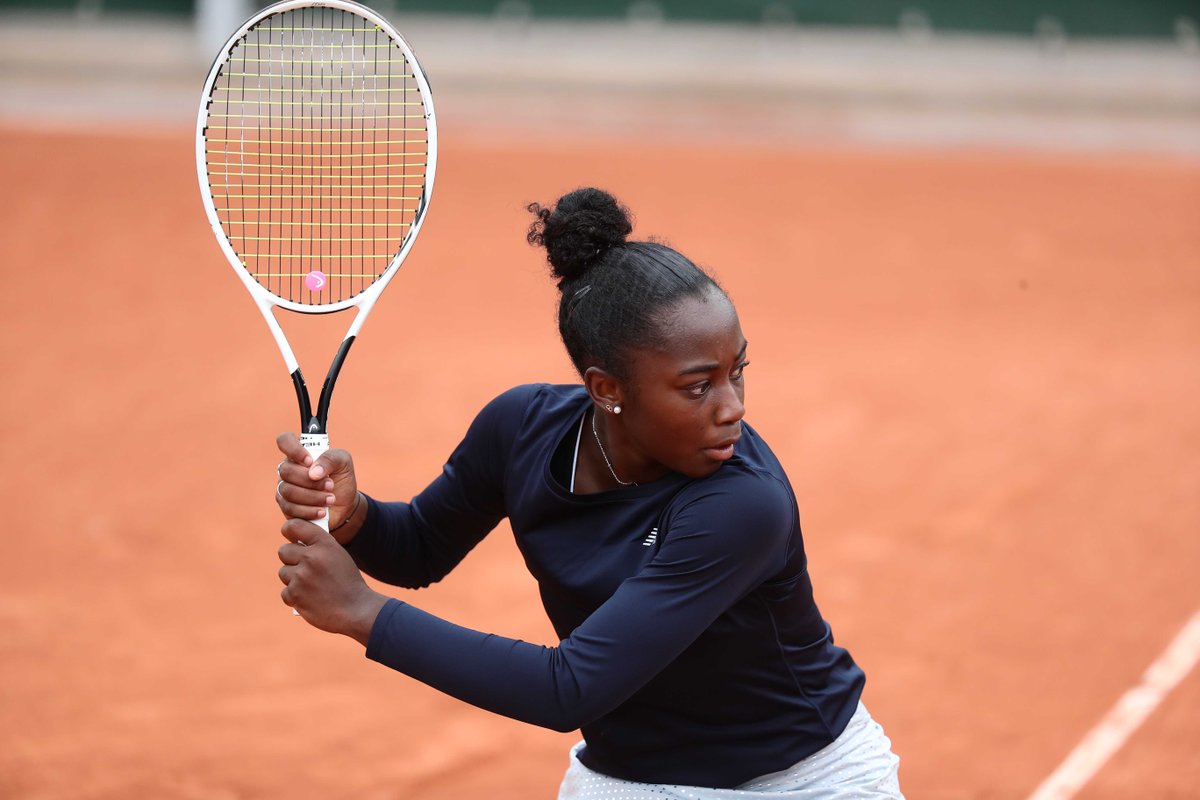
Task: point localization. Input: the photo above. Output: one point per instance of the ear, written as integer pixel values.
(605, 390)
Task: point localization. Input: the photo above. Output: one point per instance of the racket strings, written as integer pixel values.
(316, 148)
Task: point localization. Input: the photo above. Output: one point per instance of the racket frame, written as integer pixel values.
(314, 436)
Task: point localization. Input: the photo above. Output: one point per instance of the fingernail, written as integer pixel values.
(330, 499)
(318, 472)
(328, 486)
(321, 513)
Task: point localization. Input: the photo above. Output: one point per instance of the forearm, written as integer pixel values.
(396, 544)
(599, 666)
(523, 681)
(387, 545)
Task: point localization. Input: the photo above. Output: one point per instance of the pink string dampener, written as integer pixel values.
(315, 280)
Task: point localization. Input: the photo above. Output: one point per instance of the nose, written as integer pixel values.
(731, 407)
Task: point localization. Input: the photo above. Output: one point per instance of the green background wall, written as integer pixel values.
(1148, 18)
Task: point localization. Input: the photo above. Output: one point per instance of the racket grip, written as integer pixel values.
(315, 444)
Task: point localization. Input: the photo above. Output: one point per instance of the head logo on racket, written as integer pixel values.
(314, 281)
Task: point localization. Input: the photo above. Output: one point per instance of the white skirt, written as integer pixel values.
(859, 764)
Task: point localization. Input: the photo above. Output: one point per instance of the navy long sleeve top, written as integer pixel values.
(692, 651)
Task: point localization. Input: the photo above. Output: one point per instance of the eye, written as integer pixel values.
(739, 369)
(698, 389)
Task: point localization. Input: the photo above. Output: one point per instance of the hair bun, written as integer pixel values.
(583, 225)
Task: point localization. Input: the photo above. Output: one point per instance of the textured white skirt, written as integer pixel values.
(859, 764)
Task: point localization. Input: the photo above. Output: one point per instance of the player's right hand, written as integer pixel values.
(311, 490)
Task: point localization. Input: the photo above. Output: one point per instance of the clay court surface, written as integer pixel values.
(978, 366)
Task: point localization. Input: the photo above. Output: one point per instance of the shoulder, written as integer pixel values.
(749, 491)
(516, 405)
(741, 507)
(753, 480)
(524, 409)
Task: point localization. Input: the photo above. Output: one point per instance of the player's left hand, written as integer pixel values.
(323, 583)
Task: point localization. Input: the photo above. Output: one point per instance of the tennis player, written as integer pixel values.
(661, 529)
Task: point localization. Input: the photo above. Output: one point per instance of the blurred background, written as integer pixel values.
(1041, 73)
(964, 241)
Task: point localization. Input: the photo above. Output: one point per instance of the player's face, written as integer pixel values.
(684, 401)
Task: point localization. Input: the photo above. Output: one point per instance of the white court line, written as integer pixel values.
(1111, 733)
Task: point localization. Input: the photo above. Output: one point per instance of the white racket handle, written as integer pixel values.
(315, 444)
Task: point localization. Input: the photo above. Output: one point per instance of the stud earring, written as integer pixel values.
(608, 408)
(616, 409)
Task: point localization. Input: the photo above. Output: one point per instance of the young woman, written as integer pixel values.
(661, 529)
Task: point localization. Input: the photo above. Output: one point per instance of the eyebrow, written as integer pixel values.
(710, 367)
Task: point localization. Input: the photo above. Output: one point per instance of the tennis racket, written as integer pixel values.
(316, 144)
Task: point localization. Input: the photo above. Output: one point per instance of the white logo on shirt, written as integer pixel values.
(652, 538)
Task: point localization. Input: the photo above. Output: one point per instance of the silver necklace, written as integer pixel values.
(604, 455)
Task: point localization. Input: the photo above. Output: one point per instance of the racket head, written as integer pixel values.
(316, 149)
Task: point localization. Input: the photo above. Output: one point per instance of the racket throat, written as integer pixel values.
(311, 423)
(308, 423)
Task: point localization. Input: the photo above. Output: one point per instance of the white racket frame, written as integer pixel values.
(364, 301)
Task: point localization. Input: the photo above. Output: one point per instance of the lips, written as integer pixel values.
(722, 451)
